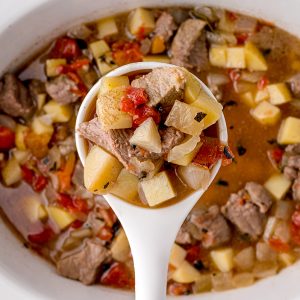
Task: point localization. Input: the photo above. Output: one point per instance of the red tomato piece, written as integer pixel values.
(125, 52)
(231, 16)
(74, 205)
(39, 182)
(7, 138)
(27, 175)
(242, 38)
(143, 113)
(117, 275)
(76, 65)
(127, 106)
(234, 74)
(193, 253)
(276, 154)
(105, 233)
(65, 47)
(263, 82)
(177, 289)
(43, 237)
(141, 34)
(77, 224)
(137, 95)
(279, 245)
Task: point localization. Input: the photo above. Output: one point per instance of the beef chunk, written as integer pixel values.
(14, 98)
(263, 39)
(183, 237)
(259, 196)
(294, 83)
(163, 85)
(245, 24)
(61, 89)
(247, 209)
(212, 227)
(165, 26)
(84, 264)
(170, 137)
(186, 45)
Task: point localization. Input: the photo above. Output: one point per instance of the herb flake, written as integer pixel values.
(241, 150)
(106, 185)
(230, 103)
(200, 116)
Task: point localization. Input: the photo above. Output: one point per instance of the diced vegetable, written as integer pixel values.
(203, 284)
(255, 61)
(211, 107)
(289, 131)
(279, 93)
(284, 210)
(187, 158)
(120, 248)
(244, 260)
(270, 227)
(106, 63)
(64, 175)
(158, 189)
(264, 253)
(218, 56)
(248, 98)
(236, 57)
(282, 237)
(61, 217)
(20, 155)
(58, 112)
(185, 148)
(177, 256)
(223, 259)
(147, 136)
(266, 113)
(287, 259)
(40, 126)
(41, 99)
(21, 132)
(186, 273)
(52, 65)
(265, 269)
(194, 176)
(278, 185)
(141, 22)
(184, 118)
(222, 281)
(109, 83)
(157, 58)
(158, 45)
(261, 95)
(109, 113)
(11, 172)
(126, 186)
(7, 138)
(243, 279)
(107, 27)
(101, 170)
(99, 48)
(34, 210)
(192, 88)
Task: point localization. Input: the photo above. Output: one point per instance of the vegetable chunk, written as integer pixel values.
(279, 93)
(266, 113)
(11, 173)
(107, 27)
(120, 248)
(255, 61)
(110, 83)
(61, 217)
(278, 185)
(58, 112)
(223, 259)
(289, 131)
(186, 273)
(177, 256)
(141, 22)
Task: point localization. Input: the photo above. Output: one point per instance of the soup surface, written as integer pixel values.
(247, 225)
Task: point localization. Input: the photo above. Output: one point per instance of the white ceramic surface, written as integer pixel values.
(23, 275)
(151, 232)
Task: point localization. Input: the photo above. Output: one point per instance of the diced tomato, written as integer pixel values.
(137, 95)
(276, 155)
(27, 174)
(231, 16)
(177, 289)
(109, 216)
(279, 245)
(143, 113)
(43, 237)
(7, 138)
(105, 233)
(77, 224)
(127, 106)
(74, 205)
(141, 34)
(65, 47)
(65, 173)
(262, 83)
(117, 275)
(125, 52)
(76, 65)
(234, 74)
(193, 253)
(242, 38)
(39, 182)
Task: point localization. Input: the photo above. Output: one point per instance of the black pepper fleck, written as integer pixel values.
(230, 103)
(106, 185)
(198, 264)
(241, 150)
(222, 182)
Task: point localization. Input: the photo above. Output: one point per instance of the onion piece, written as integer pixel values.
(8, 122)
(245, 259)
(222, 281)
(263, 270)
(264, 253)
(251, 76)
(269, 229)
(243, 86)
(216, 79)
(282, 232)
(284, 210)
(194, 176)
(243, 279)
(221, 38)
(205, 12)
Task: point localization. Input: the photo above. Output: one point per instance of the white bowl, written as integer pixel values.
(23, 31)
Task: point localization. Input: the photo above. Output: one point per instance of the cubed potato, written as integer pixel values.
(110, 83)
(157, 58)
(20, 134)
(41, 99)
(59, 113)
(126, 186)
(109, 113)
(194, 176)
(141, 22)
(187, 158)
(120, 249)
(203, 284)
(210, 106)
(11, 172)
(183, 117)
(147, 136)
(218, 56)
(60, 217)
(236, 58)
(52, 66)
(286, 259)
(244, 259)
(186, 147)
(42, 213)
(248, 98)
(99, 48)
(33, 209)
(177, 256)
(223, 259)
(278, 185)
(289, 131)
(255, 61)
(266, 113)
(243, 279)
(106, 63)
(192, 88)
(101, 170)
(186, 273)
(40, 125)
(20, 155)
(158, 45)
(261, 95)
(279, 93)
(158, 189)
(107, 27)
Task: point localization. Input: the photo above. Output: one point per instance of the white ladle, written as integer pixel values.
(150, 232)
